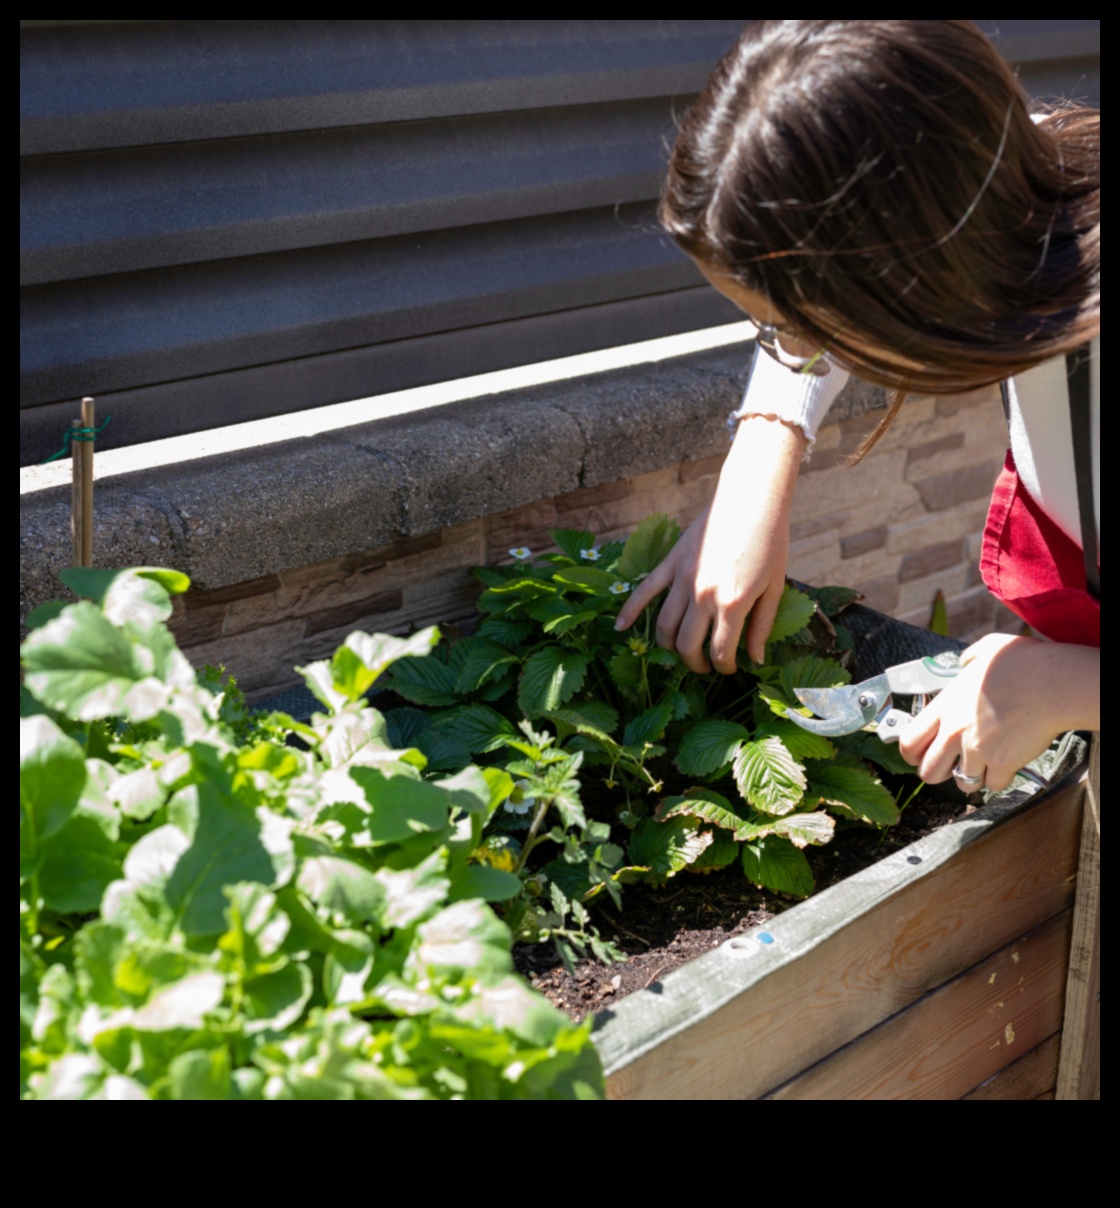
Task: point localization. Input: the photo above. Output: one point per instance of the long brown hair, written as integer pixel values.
(883, 183)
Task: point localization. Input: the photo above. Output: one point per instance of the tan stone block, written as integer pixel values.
(855, 544)
(368, 614)
(953, 487)
(880, 594)
(313, 591)
(904, 509)
(604, 493)
(984, 422)
(876, 482)
(708, 467)
(257, 658)
(815, 560)
(324, 642)
(930, 558)
(951, 404)
(407, 547)
(473, 532)
(950, 443)
(356, 594)
(198, 625)
(366, 559)
(656, 481)
(919, 593)
(918, 617)
(202, 598)
(874, 564)
(916, 422)
(456, 560)
(680, 500)
(828, 437)
(295, 580)
(527, 526)
(849, 436)
(440, 600)
(977, 446)
(932, 527)
(970, 613)
(812, 526)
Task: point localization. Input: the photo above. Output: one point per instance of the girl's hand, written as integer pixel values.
(1014, 696)
(731, 560)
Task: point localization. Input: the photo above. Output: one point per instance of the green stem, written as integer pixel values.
(921, 785)
(33, 917)
(531, 837)
(725, 712)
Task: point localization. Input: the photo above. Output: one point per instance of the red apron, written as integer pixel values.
(1034, 568)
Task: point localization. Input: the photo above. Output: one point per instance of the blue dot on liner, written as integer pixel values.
(913, 859)
(764, 937)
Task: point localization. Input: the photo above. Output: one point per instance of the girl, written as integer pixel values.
(877, 198)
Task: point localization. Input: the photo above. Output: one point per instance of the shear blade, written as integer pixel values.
(837, 711)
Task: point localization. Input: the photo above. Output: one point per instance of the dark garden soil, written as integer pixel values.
(662, 928)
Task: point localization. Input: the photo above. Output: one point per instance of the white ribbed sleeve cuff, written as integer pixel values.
(793, 398)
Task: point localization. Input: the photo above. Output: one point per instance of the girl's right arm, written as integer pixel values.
(731, 561)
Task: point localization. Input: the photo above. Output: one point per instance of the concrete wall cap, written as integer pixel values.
(238, 516)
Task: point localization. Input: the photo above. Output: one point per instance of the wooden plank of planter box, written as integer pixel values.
(762, 1007)
(958, 1035)
(1033, 1076)
(1079, 1072)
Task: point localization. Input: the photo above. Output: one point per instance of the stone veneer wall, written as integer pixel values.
(589, 453)
(901, 525)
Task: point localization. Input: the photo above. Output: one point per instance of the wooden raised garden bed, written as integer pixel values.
(941, 968)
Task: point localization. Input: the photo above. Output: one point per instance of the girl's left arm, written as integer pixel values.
(1014, 696)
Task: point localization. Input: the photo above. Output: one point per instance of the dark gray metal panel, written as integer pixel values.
(1057, 59)
(124, 84)
(382, 203)
(197, 403)
(141, 208)
(120, 332)
(1027, 41)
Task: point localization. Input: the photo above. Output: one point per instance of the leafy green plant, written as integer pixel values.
(703, 771)
(220, 908)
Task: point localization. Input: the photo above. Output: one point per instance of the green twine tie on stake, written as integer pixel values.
(79, 434)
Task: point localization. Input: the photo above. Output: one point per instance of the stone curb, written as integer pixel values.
(239, 516)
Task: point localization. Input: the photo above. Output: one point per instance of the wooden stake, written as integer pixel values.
(1079, 1069)
(87, 483)
(76, 498)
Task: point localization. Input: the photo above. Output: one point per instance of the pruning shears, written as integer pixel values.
(870, 705)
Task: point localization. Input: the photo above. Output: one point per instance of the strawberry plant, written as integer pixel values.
(700, 771)
(221, 907)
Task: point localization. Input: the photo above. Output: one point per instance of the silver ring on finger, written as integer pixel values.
(966, 781)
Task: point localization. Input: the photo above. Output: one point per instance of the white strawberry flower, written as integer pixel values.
(521, 552)
(517, 802)
(620, 589)
(590, 555)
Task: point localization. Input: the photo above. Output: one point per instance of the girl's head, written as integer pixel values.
(882, 185)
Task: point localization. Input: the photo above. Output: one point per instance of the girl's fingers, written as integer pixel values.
(690, 641)
(656, 581)
(669, 618)
(918, 736)
(938, 762)
(725, 640)
(762, 618)
(998, 778)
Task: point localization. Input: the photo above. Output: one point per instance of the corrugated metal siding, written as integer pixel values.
(227, 220)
